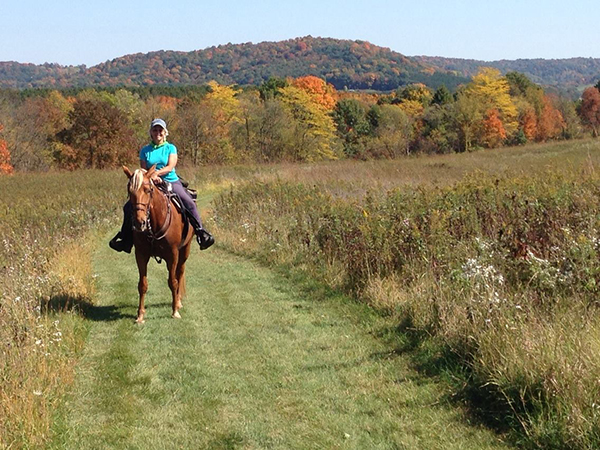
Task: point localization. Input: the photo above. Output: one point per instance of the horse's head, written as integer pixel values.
(141, 189)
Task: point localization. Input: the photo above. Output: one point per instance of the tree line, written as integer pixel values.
(293, 119)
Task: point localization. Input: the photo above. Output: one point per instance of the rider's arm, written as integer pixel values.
(172, 162)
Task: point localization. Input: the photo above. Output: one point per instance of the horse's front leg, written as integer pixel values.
(180, 273)
(142, 263)
(174, 286)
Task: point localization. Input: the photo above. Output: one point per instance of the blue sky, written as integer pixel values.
(73, 32)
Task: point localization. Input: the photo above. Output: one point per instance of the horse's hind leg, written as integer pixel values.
(142, 263)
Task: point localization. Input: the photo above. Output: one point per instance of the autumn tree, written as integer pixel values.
(36, 122)
(320, 92)
(528, 122)
(493, 129)
(204, 126)
(161, 106)
(550, 120)
(99, 137)
(491, 91)
(313, 128)
(589, 109)
(5, 165)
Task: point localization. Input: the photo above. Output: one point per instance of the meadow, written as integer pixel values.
(487, 262)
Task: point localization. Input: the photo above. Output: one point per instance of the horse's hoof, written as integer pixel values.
(176, 315)
(140, 321)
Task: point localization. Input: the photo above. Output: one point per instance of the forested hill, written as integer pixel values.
(343, 63)
(560, 73)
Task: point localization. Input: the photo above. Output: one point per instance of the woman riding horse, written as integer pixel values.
(164, 155)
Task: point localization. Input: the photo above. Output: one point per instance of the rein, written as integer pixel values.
(162, 232)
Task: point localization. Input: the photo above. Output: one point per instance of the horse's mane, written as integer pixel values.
(136, 180)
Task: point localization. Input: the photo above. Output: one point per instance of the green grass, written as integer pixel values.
(257, 361)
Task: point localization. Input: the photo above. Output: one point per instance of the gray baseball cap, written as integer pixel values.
(160, 122)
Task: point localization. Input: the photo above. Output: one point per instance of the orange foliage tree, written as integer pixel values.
(322, 93)
(590, 109)
(5, 166)
(493, 129)
(550, 120)
(529, 123)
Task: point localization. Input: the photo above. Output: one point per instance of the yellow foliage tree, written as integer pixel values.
(204, 127)
(314, 129)
(492, 91)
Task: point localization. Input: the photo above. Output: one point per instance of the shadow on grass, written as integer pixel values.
(433, 360)
(82, 305)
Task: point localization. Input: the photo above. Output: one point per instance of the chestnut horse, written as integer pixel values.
(159, 231)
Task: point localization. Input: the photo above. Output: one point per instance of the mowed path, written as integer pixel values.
(257, 361)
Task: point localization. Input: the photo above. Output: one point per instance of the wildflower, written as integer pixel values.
(38, 393)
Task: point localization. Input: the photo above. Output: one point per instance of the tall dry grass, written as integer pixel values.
(45, 275)
(501, 268)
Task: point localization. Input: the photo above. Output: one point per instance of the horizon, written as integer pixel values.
(76, 34)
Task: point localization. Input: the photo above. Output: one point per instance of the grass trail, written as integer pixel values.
(257, 361)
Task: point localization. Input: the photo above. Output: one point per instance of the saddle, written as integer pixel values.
(166, 188)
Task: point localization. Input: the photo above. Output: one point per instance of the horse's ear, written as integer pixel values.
(127, 171)
(151, 171)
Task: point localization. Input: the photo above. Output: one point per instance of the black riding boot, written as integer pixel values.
(204, 238)
(123, 241)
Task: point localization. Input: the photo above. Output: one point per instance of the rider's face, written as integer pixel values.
(158, 134)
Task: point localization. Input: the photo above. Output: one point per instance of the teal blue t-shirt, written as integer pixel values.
(159, 154)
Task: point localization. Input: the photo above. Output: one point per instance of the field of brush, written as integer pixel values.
(488, 261)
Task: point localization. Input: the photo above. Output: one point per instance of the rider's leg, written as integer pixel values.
(123, 241)
(204, 238)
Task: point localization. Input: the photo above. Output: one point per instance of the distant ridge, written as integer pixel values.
(343, 63)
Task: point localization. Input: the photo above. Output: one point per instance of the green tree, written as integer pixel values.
(270, 88)
(468, 114)
(442, 96)
(393, 134)
(350, 118)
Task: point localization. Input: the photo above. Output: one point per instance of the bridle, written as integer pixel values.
(139, 206)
